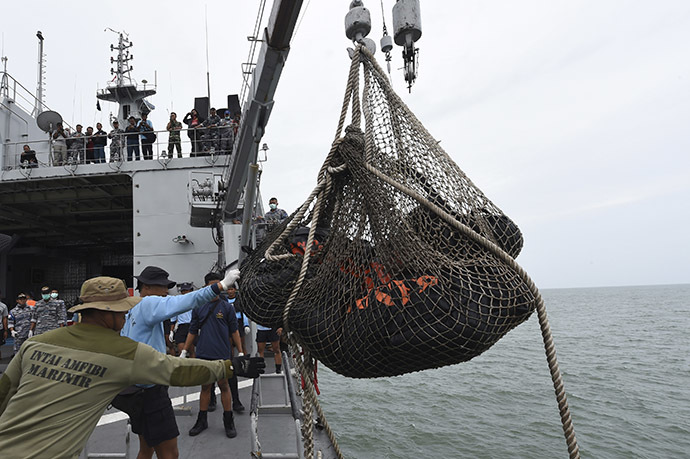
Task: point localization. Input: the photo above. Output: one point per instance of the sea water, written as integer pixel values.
(624, 353)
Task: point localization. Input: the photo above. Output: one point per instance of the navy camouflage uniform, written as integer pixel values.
(274, 218)
(210, 133)
(20, 320)
(227, 135)
(77, 147)
(116, 145)
(50, 315)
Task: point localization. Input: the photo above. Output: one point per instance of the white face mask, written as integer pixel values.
(53, 295)
(273, 206)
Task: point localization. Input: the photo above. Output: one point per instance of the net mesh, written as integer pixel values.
(390, 283)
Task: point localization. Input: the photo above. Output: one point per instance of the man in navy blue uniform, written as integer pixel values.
(215, 324)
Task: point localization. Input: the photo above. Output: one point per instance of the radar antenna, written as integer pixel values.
(47, 121)
(123, 68)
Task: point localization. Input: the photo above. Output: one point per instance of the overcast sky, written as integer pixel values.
(572, 116)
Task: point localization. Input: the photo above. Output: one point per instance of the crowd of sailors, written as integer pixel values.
(208, 136)
(31, 318)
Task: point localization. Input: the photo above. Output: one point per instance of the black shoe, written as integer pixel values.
(237, 406)
(229, 423)
(212, 403)
(200, 425)
(278, 368)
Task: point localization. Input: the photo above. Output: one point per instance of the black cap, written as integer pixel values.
(45, 289)
(21, 295)
(186, 286)
(153, 275)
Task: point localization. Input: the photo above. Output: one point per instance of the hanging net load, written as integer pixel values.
(397, 262)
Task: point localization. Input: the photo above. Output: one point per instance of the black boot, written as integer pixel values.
(212, 402)
(229, 423)
(200, 426)
(278, 368)
(236, 404)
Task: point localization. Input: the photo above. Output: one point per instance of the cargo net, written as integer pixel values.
(397, 261)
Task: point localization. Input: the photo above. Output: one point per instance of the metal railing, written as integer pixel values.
(21, 96)
(201, 141)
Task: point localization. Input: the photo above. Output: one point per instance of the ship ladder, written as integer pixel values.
(275, 410)
(125, 455)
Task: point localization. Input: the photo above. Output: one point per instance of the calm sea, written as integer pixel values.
(625, 357)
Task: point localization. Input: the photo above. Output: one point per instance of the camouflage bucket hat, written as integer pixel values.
(106, 294)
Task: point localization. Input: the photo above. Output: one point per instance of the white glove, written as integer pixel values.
(31, 333)
(172, 336)
(240, 354)
(14, 333)
(247, 330)
(183, 354)
(230, 278)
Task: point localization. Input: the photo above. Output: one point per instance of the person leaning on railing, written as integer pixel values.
(28, 157)
(210, 133)
(59, 145)
(193, 122)
(148, 137)
(89, 145)
(76, 145)
(227, 133)
(100, 140)
(132, 134)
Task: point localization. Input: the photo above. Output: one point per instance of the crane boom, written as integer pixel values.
(272, 56)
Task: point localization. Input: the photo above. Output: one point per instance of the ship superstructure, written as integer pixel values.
(123, 89)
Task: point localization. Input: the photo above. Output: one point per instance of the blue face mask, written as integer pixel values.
(273, 206)
(53, 295)
(46, 296)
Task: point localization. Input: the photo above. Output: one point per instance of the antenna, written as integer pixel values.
(47, 120)
(208, 77)
(38, 104)
(123, 68)
(4, 83)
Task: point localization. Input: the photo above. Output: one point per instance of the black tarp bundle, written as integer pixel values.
(391, 285)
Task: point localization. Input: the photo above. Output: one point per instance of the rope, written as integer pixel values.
(304, 364)
(315, 202)
(549, 346)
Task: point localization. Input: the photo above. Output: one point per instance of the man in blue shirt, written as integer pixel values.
(155, 421)
(215, 324)
(179, 326)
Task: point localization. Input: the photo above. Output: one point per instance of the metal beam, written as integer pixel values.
(269, 66)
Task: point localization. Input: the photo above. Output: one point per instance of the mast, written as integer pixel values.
(122, 89)
(39, 102)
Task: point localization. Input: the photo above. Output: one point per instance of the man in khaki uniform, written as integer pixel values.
(60, 383)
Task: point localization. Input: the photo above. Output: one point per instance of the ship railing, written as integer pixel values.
(127, 83)
(196, 142)
(21, 96)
